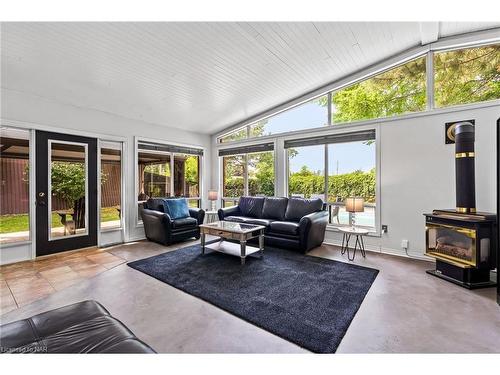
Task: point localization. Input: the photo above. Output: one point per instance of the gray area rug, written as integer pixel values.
(307, 300)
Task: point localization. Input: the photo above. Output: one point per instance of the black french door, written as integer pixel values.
(66, 192)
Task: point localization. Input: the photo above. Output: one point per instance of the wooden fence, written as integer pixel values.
(14, 189)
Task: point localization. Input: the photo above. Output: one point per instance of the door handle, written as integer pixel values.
(40, 199)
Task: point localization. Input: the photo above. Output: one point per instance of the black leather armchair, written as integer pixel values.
(160, 227)
(293, 223)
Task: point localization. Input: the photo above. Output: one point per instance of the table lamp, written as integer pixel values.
(213, 196)
(353, 205)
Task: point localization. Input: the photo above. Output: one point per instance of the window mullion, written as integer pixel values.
(326, 173)
(245, 174)
(429, 72)
(329, 99)
(172, 175)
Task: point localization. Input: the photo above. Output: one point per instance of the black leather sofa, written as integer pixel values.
(160, 227)
(84, 327)
(292, 223)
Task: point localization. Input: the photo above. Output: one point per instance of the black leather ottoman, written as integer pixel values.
(84, 327)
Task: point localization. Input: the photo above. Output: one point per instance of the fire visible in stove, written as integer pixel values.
(449, 246)
(451, 242)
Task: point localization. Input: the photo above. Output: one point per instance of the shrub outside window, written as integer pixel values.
(247, 174)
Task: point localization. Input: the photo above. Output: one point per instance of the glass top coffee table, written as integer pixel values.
(228, 230)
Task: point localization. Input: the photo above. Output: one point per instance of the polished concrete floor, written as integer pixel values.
(405, 311)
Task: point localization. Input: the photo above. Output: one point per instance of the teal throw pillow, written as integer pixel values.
(176, 208)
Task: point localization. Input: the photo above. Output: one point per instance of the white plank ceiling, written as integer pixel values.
(201, 77)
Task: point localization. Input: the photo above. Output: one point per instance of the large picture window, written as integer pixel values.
(333, 168)
(247, 171)
(14, 186)
(168, 171)
(467, 75)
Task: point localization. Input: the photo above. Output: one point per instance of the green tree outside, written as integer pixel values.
(467, 75)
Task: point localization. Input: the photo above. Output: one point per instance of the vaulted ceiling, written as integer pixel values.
(201, 77)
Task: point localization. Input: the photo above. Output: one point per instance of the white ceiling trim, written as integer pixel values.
(429, 32)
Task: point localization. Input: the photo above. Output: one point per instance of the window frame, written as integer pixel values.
(249, 126)
(376, 229)
(137, 140)
(431, 77)
(424, 56)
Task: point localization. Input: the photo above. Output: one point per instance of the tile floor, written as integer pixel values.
(25, 282)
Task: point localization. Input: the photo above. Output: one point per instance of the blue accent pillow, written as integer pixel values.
(176, 208)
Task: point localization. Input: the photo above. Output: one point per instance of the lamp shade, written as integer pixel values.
(212, 195)
(354, 204)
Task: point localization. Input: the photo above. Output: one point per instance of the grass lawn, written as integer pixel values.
(14, 223)
(20, 223)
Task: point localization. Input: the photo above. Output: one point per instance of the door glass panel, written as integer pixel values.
(68, 190)
(111, 181)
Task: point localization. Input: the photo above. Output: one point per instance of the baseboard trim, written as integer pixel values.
(388, 251)
(134, 239)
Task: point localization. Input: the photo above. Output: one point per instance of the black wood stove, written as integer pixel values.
(463, 241)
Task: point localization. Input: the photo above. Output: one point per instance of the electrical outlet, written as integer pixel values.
(404, 244)
(384, 229)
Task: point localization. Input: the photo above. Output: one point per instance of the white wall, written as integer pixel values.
(48, 114)
(417, 172)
